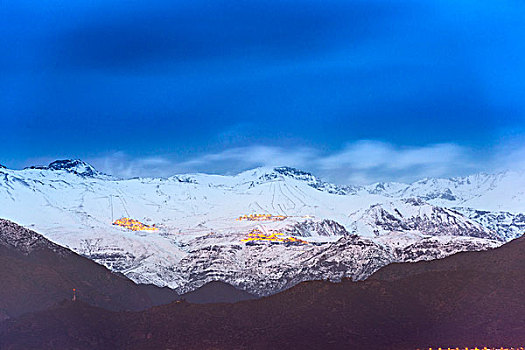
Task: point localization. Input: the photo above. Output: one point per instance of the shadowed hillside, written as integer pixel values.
(217, 292)
(36, 274)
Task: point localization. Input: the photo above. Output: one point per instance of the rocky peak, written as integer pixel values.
(310, 228)
(76, 166)
(295, 173)
(313, 181)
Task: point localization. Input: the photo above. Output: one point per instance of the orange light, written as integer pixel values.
(261, 217)
(134, 225)
(257, 235)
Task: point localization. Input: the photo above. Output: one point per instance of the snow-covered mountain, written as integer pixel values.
(203, 231)
(313, 228)
(75, 166)
(413, 214)
(504, 191)
(507, 225)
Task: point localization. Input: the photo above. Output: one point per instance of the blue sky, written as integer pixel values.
(356, 91)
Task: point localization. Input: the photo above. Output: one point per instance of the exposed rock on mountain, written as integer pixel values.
(507, 225)
(75, 166)
(264, 268)
(415, 215)
(431, 248)
(314, 182)
(311, 228)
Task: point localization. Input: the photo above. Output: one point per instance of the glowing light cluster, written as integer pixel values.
(257, 235)
(134, 225)
(262, 217)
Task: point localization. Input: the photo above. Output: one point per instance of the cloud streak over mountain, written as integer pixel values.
(361, 162)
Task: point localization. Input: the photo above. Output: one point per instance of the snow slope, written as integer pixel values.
(504, 191)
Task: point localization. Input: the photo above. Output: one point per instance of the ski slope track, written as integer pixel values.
(351, 231)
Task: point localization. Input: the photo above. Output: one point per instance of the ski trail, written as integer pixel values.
(292, 203)
(258, 205)
(283, 211)
(296, 196)
(272, 189)
(122, 200)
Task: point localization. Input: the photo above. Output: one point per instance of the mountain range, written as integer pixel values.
(203, 231)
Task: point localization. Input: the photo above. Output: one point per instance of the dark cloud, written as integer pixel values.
(200, 30)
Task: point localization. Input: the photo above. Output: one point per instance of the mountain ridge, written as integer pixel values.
(203, 223)
(75, 166)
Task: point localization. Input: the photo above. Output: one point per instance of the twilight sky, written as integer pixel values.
(356, 91)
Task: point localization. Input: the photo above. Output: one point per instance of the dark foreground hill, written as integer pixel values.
(470, 299)
(35, 274)
(217, 292)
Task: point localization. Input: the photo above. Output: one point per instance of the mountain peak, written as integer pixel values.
(293, 172)
(76, 166)
(313, 181)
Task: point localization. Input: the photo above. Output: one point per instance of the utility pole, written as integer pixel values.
(111, 204)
